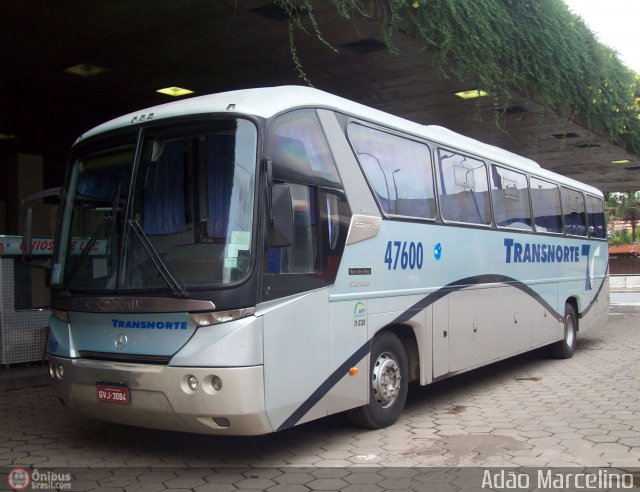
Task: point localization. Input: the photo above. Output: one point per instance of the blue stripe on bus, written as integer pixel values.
(341, 371)
(469, 282)
(595, 298)
(326, 386)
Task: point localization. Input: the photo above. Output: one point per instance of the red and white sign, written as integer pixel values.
(12, 245)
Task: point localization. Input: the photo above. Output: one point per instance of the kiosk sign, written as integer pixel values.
(12, 246)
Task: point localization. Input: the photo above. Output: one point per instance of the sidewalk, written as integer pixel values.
(529, 410)
(24, 376)
(624, 283)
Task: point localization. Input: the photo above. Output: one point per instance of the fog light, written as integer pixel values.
(222, 421)
(216, 383)
(193, 383)
(59, 371)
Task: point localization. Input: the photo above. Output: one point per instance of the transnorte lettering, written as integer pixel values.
(153, 325)
(516, 252)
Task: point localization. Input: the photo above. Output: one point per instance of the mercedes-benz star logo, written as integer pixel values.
(121, 341)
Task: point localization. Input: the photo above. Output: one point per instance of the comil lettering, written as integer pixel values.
(516, 252)
(366, 225)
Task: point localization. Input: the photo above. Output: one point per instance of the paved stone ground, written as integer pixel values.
(530, 410)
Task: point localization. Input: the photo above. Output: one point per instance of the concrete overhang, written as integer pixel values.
(214, 46)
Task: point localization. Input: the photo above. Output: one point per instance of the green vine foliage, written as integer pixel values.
(535, 47)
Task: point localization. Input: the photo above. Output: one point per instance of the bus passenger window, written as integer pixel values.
(464, 195)
(545, 198)
(398, 171)
(595, 214)
(575, 221)
(299, 151)
(510, 193)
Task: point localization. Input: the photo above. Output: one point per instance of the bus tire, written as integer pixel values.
(565, 348)
(388, 383)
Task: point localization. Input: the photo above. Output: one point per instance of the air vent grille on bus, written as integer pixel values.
(132, 358)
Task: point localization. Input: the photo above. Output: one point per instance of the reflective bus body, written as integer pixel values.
(257, 259)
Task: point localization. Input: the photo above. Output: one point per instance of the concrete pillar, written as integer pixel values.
(3, 217)
(24, 177)
(3, 195)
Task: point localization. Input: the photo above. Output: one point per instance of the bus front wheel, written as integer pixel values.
(565, 348)
(388, 383)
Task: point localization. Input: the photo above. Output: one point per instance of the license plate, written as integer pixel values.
(113, 394)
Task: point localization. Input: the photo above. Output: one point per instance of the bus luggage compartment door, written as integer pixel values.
(473, 333)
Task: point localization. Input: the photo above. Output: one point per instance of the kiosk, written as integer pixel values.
(24, 299)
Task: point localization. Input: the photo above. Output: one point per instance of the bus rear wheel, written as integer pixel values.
(388, 383)
(565, 348)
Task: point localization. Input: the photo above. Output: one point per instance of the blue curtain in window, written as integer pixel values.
(105, 184)
(220, 169)
(596, 222)
(164, 193)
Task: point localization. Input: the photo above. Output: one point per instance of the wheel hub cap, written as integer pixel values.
(385, 380)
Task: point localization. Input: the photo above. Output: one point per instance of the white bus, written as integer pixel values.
(262, 258)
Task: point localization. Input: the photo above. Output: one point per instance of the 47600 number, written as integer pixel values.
(404, 255)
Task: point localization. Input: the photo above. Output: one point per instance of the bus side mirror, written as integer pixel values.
(280, 227)
(27, 218)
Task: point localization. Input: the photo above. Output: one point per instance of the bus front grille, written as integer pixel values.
(132, 358)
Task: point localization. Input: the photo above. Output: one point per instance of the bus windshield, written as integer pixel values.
(171, 209)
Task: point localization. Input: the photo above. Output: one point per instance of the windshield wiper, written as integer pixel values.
(169, 278)
(87, 247)
(106, 221)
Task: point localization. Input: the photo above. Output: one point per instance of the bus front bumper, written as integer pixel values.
(160, 396)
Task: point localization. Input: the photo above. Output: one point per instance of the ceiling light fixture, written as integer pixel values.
(174, 91)
(472, 94)
(620, 161)
(85, 70)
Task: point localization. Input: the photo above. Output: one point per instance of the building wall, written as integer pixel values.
(621, 265)
(23, 175)
(3, 217)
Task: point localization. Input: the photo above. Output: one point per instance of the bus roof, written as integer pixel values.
(269, 101)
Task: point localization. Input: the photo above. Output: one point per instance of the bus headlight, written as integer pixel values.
(217, 317)
(192, 382)
(216, 383)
